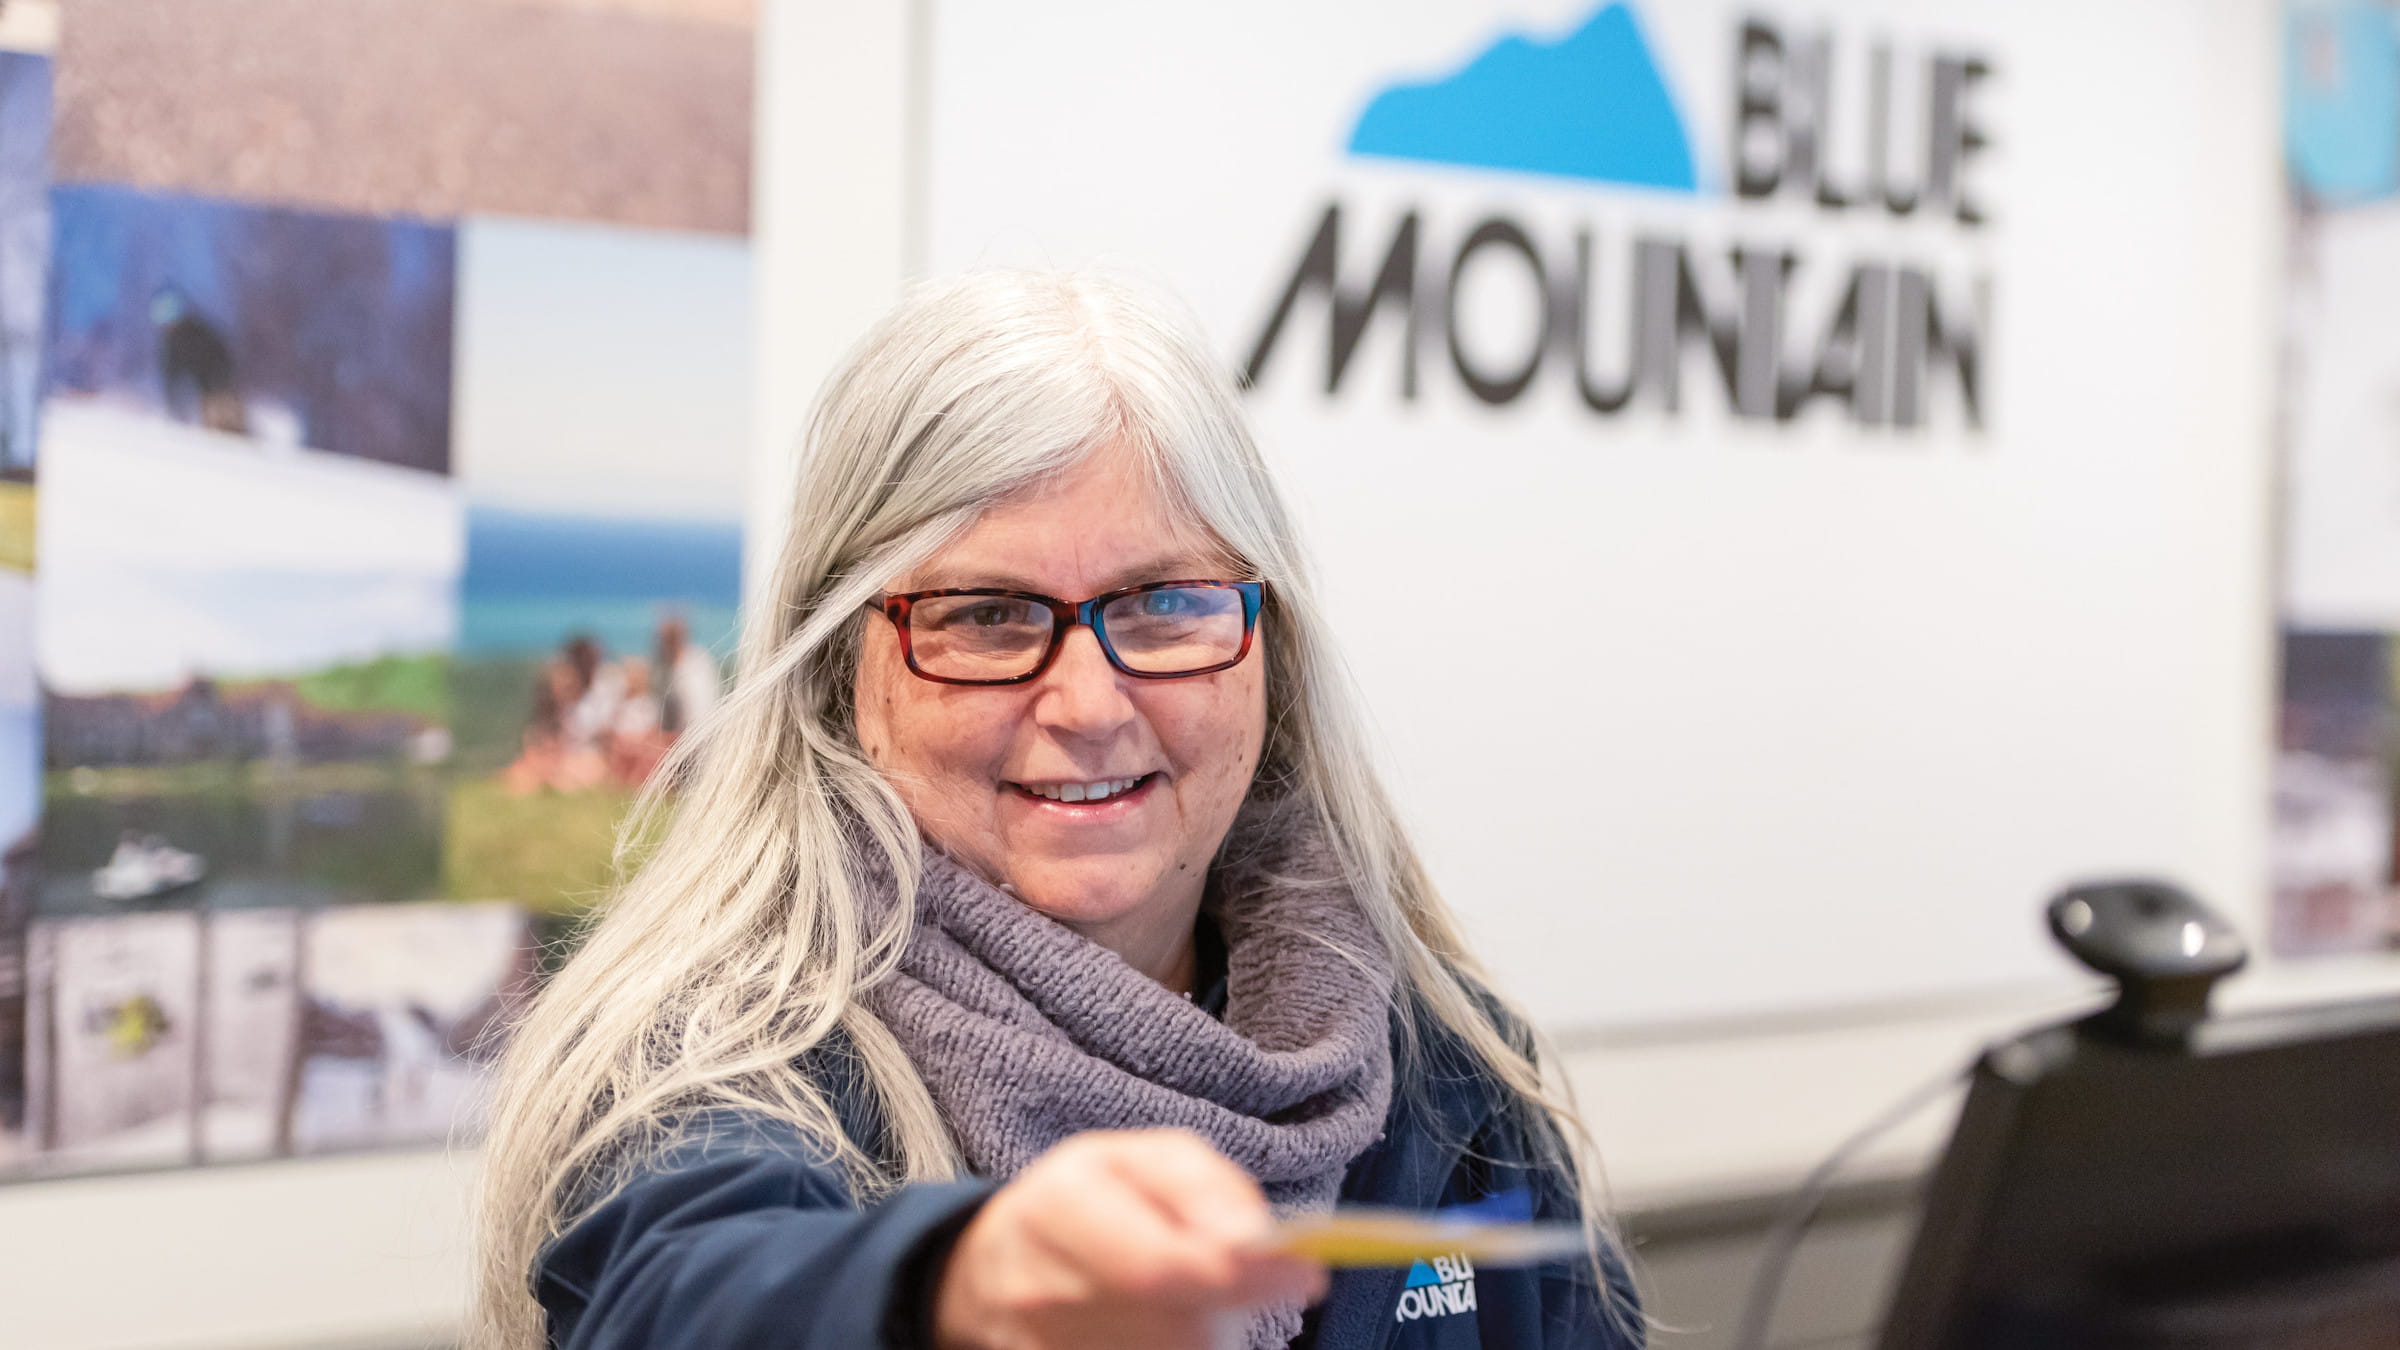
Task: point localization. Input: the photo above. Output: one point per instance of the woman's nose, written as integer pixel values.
(1081, 693)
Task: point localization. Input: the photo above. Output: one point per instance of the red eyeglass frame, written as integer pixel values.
(1065, 616)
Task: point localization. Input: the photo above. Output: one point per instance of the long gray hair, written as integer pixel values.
(736, 943)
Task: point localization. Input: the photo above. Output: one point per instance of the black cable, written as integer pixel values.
(1774, 1263)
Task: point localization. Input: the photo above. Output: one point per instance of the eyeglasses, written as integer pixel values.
(1161, 631)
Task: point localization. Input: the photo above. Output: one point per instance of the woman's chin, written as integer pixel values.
(1089, 893)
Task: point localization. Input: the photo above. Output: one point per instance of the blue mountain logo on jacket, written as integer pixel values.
(1591, 105)
(1437, 1288)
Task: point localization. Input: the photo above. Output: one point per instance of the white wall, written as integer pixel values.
(320, 1254)
(1724, 714)
(833, 216)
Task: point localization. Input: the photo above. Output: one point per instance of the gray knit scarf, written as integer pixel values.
(1027, 1032)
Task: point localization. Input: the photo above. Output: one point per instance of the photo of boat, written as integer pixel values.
(145, 866)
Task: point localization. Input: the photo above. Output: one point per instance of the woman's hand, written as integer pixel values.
(1116, 1239)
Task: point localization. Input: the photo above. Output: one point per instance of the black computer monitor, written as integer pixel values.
(2233, 1186)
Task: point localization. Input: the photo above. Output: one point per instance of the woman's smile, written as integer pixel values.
(1086, 795)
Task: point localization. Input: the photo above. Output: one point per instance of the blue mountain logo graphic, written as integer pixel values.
(1420, 1275)
(1591, 105)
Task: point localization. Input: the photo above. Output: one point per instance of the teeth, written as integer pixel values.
(1082, 792)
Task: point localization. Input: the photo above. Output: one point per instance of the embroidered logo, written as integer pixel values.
(1438, 1288)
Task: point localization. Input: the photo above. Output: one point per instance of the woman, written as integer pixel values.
(1026, 929)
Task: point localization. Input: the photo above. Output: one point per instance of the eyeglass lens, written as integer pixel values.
(996, 637)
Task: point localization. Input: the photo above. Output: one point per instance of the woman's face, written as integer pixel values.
(967, 759)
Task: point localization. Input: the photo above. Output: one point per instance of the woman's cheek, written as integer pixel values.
(1222, 741)
(945, 754)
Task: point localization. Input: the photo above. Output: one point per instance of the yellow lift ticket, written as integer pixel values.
(1356, 1237)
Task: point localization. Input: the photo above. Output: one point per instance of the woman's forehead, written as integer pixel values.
(1076, 581)
(1067, 567)
(1101, 524)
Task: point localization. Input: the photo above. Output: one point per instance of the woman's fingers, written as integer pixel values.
(1221, 1208)
(1209, 1197)
(1084, 1211)
(1197, 1187)
(1117, 1238)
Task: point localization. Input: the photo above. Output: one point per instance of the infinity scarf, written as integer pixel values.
(1027, 1032)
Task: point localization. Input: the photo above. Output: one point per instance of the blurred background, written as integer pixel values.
(1946, 448)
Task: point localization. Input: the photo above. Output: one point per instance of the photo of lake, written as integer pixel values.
(310, 836)
(244, 661)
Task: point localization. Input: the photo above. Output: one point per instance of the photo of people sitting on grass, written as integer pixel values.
(596, 720)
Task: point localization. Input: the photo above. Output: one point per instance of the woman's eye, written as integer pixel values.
(988, 616)
(1163, 603)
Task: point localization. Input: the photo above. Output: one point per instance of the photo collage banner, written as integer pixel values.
(2337, 767)
(374, 429)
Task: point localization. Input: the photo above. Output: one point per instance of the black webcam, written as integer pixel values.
(2164, 949)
